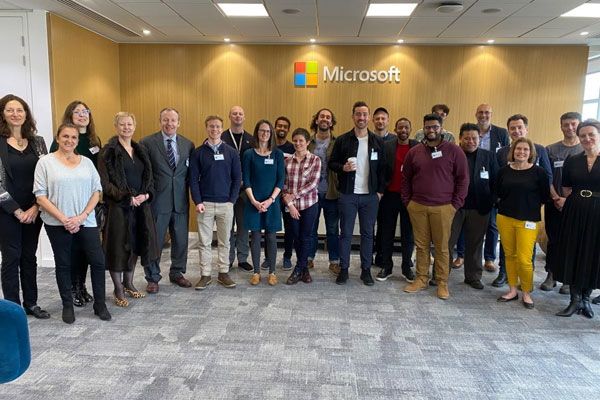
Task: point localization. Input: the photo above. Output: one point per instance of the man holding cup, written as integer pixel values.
(357, 158)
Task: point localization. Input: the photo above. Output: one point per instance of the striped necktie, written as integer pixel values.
(171, 153)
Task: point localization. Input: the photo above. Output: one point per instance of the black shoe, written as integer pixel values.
(596, 300)
(246, 267)
(78, 301)
(527, 305)
(68, 314)
(408, 274)
(85, 295)
(432, 282)
(506, 300)
(342, 277)
(549, 283)
(574, 306)
(384, 274)
(585, 301)
(475, 284)
(366, 277)
(37, 312)
(500, 280)
(294, 277)
(101, 311)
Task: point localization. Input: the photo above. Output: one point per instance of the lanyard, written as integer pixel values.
(234, 141)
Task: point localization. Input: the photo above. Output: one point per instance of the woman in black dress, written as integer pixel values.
(126, 175)
(579, 253)
(20, 224)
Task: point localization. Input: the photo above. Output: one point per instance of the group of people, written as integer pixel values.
(494, 181)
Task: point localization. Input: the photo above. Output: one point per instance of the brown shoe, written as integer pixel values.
(310, 264)
(489, 266)
(272, 280)
(255, 280)
(306, 278)
(458, 262)
(417, 285)
(225, 280)
(203, 283)
(181, 281)
(334, 269)
(442, 290)
(152, 287)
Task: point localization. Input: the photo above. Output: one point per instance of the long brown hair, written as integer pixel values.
(91, 128)
(28, 129)
(272, 142)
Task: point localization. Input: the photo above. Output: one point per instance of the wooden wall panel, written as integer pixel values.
(540, 81)
(84, 66)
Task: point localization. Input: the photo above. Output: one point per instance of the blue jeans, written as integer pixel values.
(301, 230)
(366, 206)
(460, 245)
(491, 237)
(332, 219)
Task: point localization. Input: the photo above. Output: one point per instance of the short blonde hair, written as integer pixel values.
(123, 114)
(532, 152)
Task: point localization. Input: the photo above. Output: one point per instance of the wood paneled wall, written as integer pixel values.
(83, 66)
(541, 82)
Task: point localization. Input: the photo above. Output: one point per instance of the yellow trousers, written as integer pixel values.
(518, 239)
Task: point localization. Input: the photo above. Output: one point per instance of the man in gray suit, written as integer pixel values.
(170, 154)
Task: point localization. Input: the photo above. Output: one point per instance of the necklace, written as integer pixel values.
(20, 143)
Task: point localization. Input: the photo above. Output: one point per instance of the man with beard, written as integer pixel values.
(282, 128)
(321, 144)
(473, 216)
(381, 120)
(434, 186)
(558, 153)
(442, 110)
(391, 205)
(357, 157)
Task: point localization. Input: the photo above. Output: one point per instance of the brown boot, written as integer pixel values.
(225, 280)
(334, 269)
(272, 279)
(255, 279)
(417, 285)
(203, 283)
(442, 290)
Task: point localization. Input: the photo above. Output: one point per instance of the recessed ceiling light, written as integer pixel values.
(146, 32)
(243, 10)
(584, 33)
(313, 40)
(400, 40)
(490, 41)
(290, 11)
(227, 39)
(449, 7)
(587, 10)
(391, 9)
(491, 11)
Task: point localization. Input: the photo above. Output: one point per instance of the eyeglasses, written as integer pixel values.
(264, 131)
(80, 112)
(432, 127)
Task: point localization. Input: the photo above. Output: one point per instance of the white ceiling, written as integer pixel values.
(328, 21)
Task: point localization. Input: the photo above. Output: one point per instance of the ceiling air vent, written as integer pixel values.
(449, 7)
(97, 17)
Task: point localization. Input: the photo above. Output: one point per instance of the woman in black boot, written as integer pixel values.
(579, 257)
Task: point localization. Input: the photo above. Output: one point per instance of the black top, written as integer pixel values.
(22, 165)
(287, 148)
(470, 203)
(521, 193)
(576, 175)
(134, 171)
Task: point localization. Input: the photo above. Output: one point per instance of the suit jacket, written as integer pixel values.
(171, 192)
(389, 148)
(498, 138)
(484, 188)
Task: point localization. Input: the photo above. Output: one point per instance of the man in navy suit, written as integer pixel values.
(492, 138)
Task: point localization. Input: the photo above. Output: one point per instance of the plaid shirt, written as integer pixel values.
(302, 179)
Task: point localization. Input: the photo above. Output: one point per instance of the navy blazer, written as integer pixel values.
(484, 188)
(389, 148)
(498, 138)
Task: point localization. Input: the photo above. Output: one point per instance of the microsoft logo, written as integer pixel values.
(305, 73)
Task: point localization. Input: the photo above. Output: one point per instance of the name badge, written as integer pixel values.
(219, 157)
(530, 225)
(374, 156)
(187, 162)
(485, 174)
(269, 161)
(94, 149)
(558, 164)
(436, 154)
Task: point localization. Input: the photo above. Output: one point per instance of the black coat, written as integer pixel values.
(485, 196)
(117, 195)
(389, 148)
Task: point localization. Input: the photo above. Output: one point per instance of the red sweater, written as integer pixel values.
(436, 181)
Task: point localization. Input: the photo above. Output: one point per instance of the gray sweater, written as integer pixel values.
(69, 189)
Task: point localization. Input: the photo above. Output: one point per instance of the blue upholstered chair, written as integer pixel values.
(15, 353)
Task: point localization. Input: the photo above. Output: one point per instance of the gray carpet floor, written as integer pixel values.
(312, 341)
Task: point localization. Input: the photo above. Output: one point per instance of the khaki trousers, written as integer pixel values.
(431, 223)
(222, 214)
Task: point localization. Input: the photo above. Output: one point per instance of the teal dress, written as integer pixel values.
(263, 174)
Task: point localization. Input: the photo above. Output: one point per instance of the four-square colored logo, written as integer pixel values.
(305, 73)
